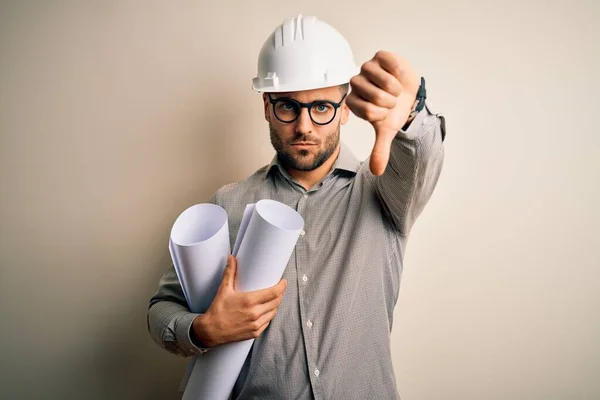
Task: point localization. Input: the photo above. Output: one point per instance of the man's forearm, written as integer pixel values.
(408, 122)
(416, 159)
(170, 320)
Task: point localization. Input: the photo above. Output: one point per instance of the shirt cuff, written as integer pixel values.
(184, 339)
(418, 126)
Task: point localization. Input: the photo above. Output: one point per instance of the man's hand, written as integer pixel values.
(384, 94)
(234, 316)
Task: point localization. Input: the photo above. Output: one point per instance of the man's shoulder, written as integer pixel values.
(240, 187)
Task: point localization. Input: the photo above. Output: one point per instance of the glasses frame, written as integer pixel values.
(306, 105)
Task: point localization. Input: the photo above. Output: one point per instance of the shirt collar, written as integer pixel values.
(346, 161)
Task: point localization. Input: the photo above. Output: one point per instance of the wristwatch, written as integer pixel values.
(419, 101)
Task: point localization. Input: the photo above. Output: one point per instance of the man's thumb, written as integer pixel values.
(381, 152)
(229, 272)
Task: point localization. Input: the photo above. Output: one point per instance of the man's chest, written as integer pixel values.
(345, 244)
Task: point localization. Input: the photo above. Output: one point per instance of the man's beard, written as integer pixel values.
(302, 163)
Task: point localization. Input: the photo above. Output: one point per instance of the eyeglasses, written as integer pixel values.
(288, 110)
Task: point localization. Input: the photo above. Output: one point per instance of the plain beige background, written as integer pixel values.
(115, 116)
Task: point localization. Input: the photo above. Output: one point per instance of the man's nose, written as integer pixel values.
(304, 124)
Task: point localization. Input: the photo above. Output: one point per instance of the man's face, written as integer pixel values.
(303, 145)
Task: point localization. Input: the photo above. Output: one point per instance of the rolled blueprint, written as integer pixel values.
(199, 247)
(267, 245)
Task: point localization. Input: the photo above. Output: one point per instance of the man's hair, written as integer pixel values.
(344, 88)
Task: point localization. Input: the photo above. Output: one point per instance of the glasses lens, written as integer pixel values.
(322, 112)
(286, 110)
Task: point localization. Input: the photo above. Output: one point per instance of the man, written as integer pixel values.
(331, 336)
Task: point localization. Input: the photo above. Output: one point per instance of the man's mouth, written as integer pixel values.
(303, 144)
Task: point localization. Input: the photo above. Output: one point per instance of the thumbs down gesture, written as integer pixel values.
(384, 93)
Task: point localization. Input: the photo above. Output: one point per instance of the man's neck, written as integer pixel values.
(310, 178)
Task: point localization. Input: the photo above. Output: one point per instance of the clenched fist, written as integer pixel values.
(384, 93)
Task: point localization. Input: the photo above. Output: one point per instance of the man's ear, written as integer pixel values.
(267, 110)
(345, 110)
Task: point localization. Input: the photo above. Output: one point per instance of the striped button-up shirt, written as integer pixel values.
(331, 336)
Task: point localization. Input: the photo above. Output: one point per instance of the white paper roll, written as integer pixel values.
(267, 245)
(199, 246)
(266, 239)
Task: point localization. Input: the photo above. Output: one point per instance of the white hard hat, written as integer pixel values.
(304, 53)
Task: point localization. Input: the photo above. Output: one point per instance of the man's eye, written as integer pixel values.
(322, 107)
(286, 106)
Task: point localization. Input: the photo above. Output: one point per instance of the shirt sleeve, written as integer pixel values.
(416, 159)
(170, 319)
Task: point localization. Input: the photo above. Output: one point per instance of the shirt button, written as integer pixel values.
(309, 324)
(317, 372)
(302, 233)
(305, 196)
(304, 278)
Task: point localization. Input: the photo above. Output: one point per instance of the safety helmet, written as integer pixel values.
(304, 53)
